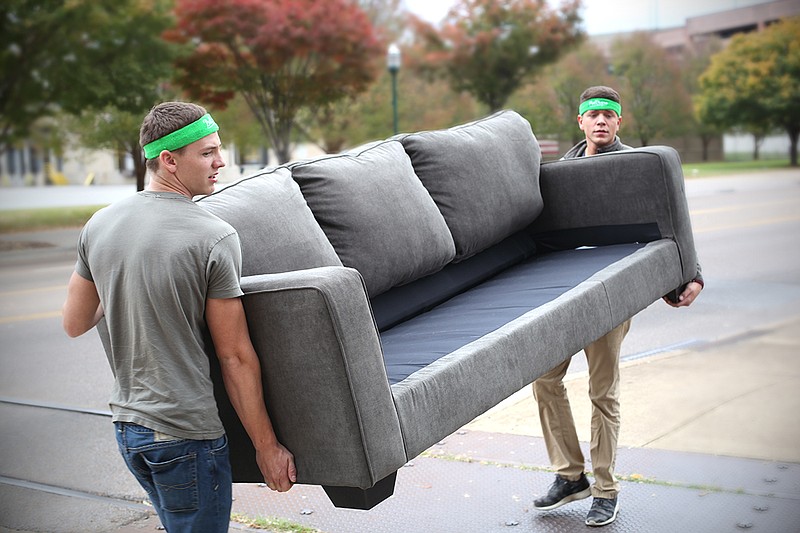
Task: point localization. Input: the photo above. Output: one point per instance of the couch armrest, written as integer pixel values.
(324, 378)
(629, 196)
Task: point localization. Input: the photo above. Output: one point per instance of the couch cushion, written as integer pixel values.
(376, 213)
(276, 228)
(473, 314)
(403, 303)
(483, 176)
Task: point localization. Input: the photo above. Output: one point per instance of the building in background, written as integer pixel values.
(695, 34)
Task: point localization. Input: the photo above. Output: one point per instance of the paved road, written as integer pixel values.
(746, 232)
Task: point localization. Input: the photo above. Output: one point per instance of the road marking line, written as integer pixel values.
(25, 318)
(792, 201)
(55, 406)
(753, 224)
(63, 491)
(21, 292)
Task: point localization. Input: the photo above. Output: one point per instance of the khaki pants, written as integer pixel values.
(558, 425)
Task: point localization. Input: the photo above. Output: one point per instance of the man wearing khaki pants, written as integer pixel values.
(600, 116)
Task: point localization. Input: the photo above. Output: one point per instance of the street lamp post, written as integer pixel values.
(393, 63)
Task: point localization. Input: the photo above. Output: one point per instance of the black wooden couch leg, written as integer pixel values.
(355, 498)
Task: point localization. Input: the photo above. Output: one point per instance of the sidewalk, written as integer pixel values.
(740, 397)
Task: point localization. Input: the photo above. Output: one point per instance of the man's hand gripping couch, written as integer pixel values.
(397, 291)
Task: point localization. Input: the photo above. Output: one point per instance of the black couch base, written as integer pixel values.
(364, 499)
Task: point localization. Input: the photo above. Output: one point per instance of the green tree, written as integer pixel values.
(78, 56)
(551, 104)
(424, 103)
(489, 48)
(281, 56)
(240, 128)
(754, 83)
(114, 130)
(655, 102)
(695, 61)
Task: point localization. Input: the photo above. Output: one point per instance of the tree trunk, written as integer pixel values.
(794, 132)
(283, 150)
(139, 169)
(706, 140)
(757, 140)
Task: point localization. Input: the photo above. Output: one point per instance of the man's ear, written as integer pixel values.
(580, 121)
(167, 160)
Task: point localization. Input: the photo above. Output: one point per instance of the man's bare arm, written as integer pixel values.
(82, 310)
(241, 372)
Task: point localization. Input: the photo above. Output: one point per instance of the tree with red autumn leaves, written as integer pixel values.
(489, 48)
(282, 56)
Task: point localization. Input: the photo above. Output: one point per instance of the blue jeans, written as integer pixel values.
(188, 481)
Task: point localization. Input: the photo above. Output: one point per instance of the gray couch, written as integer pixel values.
(397, 291)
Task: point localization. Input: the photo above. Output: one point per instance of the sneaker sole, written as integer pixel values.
(585, 493)
(599, 524)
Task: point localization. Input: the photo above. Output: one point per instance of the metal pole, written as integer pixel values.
(394, 99)
(393, 62)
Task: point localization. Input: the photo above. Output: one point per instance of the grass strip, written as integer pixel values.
(275, 525)
(15, 220)
(731, 168)
(634, 478)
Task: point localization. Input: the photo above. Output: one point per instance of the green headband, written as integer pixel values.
(188, 134)
(600, 104)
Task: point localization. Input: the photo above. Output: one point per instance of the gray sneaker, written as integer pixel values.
(603, 511)
(563, 491)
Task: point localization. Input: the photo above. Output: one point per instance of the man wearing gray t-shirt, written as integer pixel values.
(160, 271)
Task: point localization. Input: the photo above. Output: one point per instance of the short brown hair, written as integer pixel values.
(165, 118)
(600, 91)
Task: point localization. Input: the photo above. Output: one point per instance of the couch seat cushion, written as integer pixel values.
(376, 213)
(416, 343)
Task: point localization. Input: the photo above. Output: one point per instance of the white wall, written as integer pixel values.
(774, 145)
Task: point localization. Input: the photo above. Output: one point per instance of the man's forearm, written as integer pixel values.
(241, 373)
(242, 377)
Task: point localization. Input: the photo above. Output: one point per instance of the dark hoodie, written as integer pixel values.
(579, 150)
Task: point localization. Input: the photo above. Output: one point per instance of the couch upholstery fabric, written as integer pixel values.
(376, 213)
(276, 228)
(483, 176)
(511, 356)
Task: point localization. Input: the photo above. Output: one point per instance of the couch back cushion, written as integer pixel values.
(376, 213)
(483, 176)
(277, 230)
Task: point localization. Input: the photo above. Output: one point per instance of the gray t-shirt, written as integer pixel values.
(155, 258)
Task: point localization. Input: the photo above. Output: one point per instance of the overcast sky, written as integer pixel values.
(612, 16)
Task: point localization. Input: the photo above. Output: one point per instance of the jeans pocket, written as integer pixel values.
(219, 447)
(176, 482)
